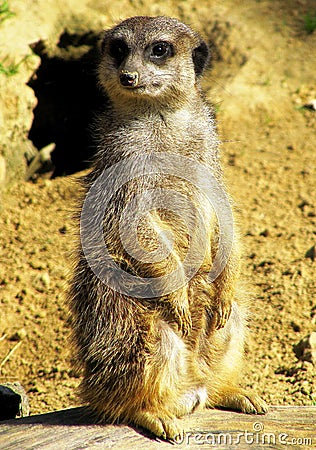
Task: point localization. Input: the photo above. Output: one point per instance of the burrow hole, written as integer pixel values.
(67, 101)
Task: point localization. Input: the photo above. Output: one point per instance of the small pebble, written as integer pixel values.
(311, 105)
(45, 279)
(305, 349)
(19, 335)
(311, 253)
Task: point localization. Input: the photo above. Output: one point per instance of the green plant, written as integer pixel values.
(313, 399)
(310, 22)
(217, 107)
(11, 69)
(266, 81)
(5, 12)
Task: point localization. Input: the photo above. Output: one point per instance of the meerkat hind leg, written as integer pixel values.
(162, 426)
(240, 400)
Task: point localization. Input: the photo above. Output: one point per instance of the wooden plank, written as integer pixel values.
(72, 429)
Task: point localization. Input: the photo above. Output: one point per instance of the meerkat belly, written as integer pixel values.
(221, 354)
(180, 386)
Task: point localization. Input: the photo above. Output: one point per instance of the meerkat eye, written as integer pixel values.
(118, 49)
(161, 50)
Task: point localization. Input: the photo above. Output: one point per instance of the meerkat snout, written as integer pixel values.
(129, 79)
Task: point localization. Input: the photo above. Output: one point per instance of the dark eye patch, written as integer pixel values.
(118, 50)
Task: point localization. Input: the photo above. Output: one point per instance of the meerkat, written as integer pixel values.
(149, 360)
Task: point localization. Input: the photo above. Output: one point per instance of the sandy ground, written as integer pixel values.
(264, 74)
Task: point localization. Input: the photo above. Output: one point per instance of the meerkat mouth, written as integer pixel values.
(134, 88)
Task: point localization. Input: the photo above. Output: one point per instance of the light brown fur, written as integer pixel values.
(149, 361)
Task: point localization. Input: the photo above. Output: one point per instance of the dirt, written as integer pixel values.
(263, 74)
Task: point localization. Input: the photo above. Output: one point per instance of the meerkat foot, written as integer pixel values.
(164, 427)
(241, 400)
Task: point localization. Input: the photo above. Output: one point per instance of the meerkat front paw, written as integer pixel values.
(162, 426)
(179, 311)
(220, 313)
(183, 319)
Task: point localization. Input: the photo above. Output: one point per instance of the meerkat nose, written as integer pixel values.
(129, 79)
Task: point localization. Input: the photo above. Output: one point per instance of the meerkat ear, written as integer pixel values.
(200, 56)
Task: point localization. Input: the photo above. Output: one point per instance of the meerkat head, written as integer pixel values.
(151, 58)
